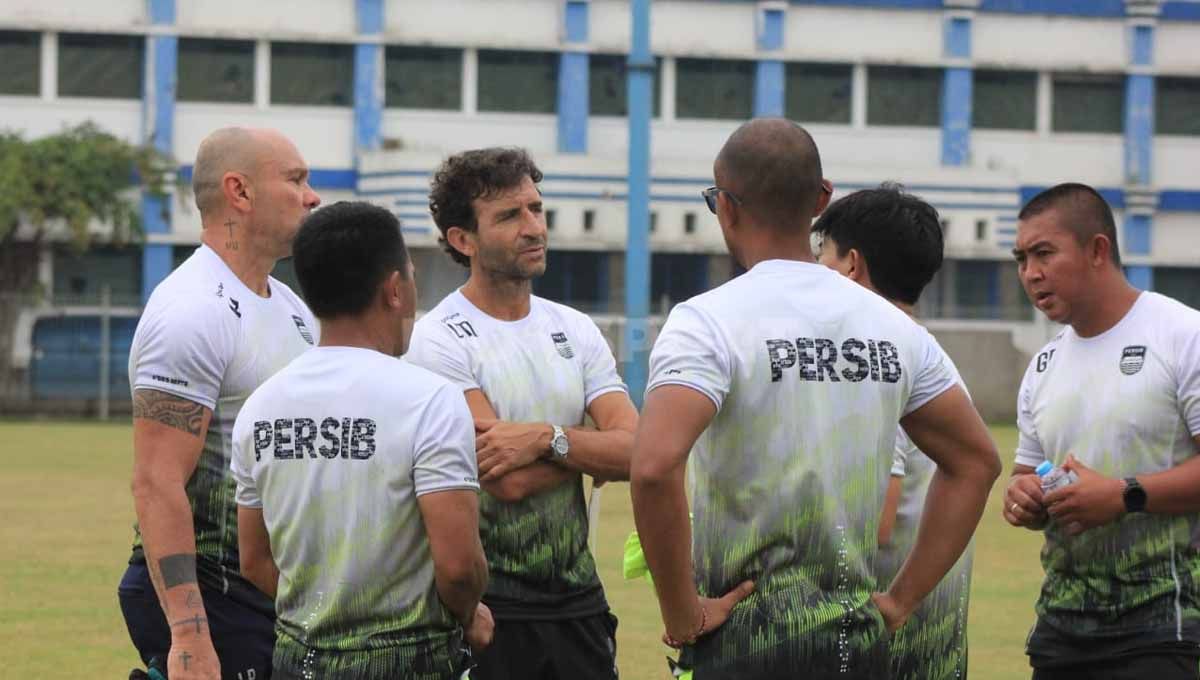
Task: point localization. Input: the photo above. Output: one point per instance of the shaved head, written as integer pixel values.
(1080, 209)
(773, 166)
(230, 149)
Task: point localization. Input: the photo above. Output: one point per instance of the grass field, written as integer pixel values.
(65, 490)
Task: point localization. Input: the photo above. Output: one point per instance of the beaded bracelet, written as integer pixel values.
(672, 642)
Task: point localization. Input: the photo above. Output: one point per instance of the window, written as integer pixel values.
(520, 82)
(312, 74)
(980, 230)
(423, 77)
(578, 278)
(977, 289)
(1177, 106)
(608, 85)
(904, 95)
(80, 277)
(216, 70)
(550, 218)
(1181, 283)
(714, 88)
(589, 220)
(105, 66)
(1088, 103)
(1004, 100)
(689, 223)
(20, 62)
(818, 93)
(675, 277)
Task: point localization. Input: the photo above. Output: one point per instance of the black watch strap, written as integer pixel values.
(1134, 495)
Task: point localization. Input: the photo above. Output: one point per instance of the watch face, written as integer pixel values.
(1135, 497)
(560, 445)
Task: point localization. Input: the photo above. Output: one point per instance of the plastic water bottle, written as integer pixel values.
(1054, 478)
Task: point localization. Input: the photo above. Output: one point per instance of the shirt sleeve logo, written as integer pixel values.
(562, 345)
(304, 332)
(1133, 358)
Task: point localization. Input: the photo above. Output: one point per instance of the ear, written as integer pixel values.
(392, 291)
(727, 212)
(461, 240)
(237, 190)
(857, 271)
(823, 198)
(1100, 250)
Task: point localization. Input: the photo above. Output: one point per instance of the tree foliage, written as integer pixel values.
(73, 177)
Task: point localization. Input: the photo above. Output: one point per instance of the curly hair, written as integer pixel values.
(464, 177)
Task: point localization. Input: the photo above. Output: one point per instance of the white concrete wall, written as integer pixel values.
(1176, 239)
(118, 16)
(288, 19)
(1058, 43)
(859, 35)
(519, 24)
(1176, 48)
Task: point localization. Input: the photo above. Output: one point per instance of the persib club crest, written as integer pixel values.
(562, 345)
(304, 332)
(1133, 358)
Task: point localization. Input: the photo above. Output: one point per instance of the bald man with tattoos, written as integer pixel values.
(211, 332)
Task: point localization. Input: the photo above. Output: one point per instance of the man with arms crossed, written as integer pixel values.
(211, 333)
(1115, 396)
(786, 385)
(531, 370)
(891, 243)
(356, 478)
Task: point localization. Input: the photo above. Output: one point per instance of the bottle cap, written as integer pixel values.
(1044, 468)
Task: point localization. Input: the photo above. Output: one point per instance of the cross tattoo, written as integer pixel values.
(185, 658)
(195, 620)
(230, 223)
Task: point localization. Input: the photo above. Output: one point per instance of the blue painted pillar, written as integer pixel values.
(769, 76)
(573, 88)
(1139, 147)
(158, 129)
(368, 77)
(635, 350)
(957, 85)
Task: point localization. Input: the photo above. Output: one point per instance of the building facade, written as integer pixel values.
(974, 105)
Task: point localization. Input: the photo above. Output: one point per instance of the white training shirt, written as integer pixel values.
(810, 374)
(204, 336)
(335, 449)
(545, 368)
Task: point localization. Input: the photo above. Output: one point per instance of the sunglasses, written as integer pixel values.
(710, 195)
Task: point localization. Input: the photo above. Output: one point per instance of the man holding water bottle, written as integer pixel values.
(1114, 400)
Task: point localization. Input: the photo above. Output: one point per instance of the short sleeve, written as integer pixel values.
(1029, 446)
(182, 350)
(599, 366)
(900, 453)
(1187, 362)
(933, 374)
(690, 352)
(241, 462)
(444, 455)
(433, 349)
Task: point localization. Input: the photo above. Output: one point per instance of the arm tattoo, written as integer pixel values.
(172, 411)
(177, 570)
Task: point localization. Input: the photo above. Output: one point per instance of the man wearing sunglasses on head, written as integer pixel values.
(784, 387)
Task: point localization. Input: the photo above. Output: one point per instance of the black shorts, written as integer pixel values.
(1154, 666)
(574, 649)
(243, 636)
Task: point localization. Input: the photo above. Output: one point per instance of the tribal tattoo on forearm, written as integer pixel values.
(169, 410)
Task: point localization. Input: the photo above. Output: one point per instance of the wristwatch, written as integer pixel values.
(1134, 495)
(559, 445)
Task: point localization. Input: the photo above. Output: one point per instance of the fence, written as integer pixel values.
(70, 357)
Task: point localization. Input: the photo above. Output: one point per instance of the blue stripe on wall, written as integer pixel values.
(1139, 128)
(898, 4)
(1143, 45)
(573, 102)
(956, 37)
(1141, 276)
(768, 88)
(319, 178)
(956, 116)
(1086, 8)
(1136, 239)
(162, 12)
(368, 104)
(1179, 200)
(1180, 11)
(369, 16)
(576, 20)
(770, 36)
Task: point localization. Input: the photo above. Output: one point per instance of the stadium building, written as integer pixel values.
(975, 105)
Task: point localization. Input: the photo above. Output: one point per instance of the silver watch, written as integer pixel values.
(559, 444)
